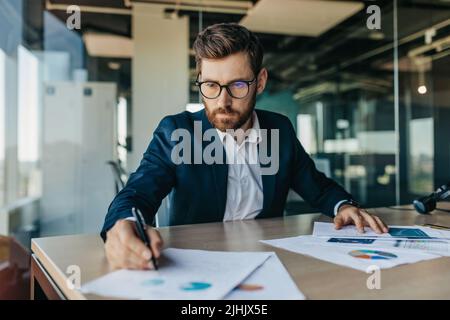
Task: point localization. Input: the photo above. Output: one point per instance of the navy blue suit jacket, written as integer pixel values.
(198, 192)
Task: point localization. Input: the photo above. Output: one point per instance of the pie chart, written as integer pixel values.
(249, 287)
(194, 286)
(372, 254)
(153, 282)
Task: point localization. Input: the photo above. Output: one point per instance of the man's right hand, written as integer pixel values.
(125, 250)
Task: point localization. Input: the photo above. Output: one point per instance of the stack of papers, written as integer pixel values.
(197, 274)
(361, 251)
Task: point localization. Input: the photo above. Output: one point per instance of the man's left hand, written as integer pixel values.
(349, 214)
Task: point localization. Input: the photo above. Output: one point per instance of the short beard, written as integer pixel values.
(230, 124)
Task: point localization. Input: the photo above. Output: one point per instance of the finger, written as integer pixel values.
(357, 220)
(371, 222)
(338, 222)
(383, 226)
(134, 261)
(128, 238)
(156, 241)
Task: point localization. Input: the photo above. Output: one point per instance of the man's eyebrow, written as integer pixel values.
(230, 81)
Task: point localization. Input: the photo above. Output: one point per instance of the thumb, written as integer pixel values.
(338, 222)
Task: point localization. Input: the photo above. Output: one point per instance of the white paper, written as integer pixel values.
(351, 256)
(324, 229)
(183, 275)
(270, 281)
(436, 246)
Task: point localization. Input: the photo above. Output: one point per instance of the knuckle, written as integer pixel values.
(120, 224)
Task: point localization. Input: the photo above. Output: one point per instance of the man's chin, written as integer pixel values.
(224, 125)
(224, 122)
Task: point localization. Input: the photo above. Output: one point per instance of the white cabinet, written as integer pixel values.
(79, 137)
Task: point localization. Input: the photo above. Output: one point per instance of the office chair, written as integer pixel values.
(119, 175)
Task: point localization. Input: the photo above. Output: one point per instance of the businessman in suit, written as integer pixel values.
(230, 76)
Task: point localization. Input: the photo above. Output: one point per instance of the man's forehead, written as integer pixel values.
(236, 66)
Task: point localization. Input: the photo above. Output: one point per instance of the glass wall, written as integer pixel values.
(424, 91)
(2, 125)
(63, 116)
(365, 84)
(365, 92)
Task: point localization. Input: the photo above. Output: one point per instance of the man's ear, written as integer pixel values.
(262, 80)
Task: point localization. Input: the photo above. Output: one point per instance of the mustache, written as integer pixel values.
(226, 110)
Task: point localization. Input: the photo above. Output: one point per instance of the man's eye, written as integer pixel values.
(210, 84)
(239, 85)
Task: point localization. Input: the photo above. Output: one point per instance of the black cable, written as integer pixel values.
(400, 209)
(412, 209)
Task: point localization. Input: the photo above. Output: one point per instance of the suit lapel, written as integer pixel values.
(267, 180)
(219, 172)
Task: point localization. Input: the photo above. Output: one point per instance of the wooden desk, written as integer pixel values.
(316, 279)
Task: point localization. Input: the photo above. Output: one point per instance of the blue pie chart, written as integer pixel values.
(195, 286)
(152, 282)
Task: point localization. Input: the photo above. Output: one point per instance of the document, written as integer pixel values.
(324, 229)
(270, 281)
(437, 246)
(182, 275)
(358, 257)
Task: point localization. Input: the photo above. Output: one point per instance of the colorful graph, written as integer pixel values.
(408, 233)
(372, 254)
(249, 287)
(152, 282)
(194, 286)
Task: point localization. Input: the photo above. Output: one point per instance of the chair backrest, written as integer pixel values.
(14, 270)
(118, 174)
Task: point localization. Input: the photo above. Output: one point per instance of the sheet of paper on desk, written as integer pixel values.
(270, 281)
(435, 246)
(358, 257)
(324, 229)
(183, 275)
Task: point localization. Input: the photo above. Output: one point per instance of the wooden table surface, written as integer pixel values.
(315, 278)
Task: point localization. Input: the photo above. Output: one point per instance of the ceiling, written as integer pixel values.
(301, 48)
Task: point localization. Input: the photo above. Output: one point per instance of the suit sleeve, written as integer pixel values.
(150, 183)
(311, 184)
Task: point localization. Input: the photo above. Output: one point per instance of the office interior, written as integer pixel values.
(370, 104)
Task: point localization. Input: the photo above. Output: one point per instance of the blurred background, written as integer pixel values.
(369, 98)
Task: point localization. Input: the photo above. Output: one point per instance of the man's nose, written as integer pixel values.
(224, 99)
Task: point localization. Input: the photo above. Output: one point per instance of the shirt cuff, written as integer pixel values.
(131, 219)
(336, 207)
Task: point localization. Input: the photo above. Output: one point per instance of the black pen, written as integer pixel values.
(142, 227)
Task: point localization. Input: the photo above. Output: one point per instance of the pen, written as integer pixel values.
(142, 227)
(435, 226)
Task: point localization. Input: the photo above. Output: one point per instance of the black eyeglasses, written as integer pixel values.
(237, 89)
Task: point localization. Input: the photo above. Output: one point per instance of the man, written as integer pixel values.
(230, 75)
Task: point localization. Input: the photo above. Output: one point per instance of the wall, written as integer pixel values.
(160, 73)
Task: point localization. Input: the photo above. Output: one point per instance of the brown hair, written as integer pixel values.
(223, 39)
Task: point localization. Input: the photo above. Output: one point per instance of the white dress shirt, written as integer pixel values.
(244, 187)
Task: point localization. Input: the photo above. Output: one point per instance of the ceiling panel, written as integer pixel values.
(105, 45)
(299, 17)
